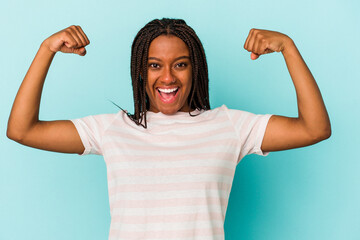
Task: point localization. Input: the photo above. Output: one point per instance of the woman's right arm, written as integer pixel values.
(24, 125)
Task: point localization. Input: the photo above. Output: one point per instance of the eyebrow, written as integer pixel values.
(178, 58)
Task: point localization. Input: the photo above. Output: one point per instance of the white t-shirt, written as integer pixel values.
(173, 179)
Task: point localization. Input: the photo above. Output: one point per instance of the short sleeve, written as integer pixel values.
(91, 130)
(250, 129)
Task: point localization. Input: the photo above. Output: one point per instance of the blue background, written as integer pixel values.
(306, 193)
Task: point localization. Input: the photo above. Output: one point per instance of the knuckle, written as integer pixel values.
(66, 33)
(258, 35)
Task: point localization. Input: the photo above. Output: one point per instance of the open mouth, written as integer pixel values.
(168, 95)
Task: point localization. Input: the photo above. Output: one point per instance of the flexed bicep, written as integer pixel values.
(284, 133)
(24, 125)
(56, 136)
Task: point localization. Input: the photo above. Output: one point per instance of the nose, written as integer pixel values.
(167, 76)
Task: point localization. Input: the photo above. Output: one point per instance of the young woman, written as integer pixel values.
(171, 164)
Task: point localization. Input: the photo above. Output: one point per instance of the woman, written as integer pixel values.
(170, 165)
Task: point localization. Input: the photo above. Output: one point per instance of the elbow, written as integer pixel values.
(14, 136)
(16, 133)
(325, 135)
(322, 135)
(328, 133)
(10, 135)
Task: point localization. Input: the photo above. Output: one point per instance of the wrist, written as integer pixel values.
(45, 47)
(288, 46)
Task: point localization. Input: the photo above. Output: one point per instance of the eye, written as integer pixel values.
(181, 65)
(154, 65)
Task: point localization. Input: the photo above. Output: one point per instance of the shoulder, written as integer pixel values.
(230, 113)
(99, 121)
(242, 117)
(213, 114)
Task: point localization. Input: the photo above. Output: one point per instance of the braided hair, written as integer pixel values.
(199, 93)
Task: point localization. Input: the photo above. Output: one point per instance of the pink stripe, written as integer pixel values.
(161, 139)
(187, 186)
(170, 202)
(174, 218)
(168, 128)
(131, 147)
(166, 234)
(161, 172)
(170, 157)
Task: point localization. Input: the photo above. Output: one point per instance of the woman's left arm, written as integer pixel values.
(312, 124)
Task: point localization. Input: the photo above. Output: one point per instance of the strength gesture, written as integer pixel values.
(261, 42)
(312, 124)
(69, 40)
(24, 125)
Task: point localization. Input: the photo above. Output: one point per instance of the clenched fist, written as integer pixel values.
(69, 40)
(261, 42)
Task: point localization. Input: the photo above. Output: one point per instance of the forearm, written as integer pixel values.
(311, 108)
(25, 110)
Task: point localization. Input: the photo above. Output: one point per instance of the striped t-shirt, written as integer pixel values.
(173, 179)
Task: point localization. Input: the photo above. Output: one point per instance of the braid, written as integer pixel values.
(199, 93)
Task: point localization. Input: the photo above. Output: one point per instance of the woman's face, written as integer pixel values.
(169, 75)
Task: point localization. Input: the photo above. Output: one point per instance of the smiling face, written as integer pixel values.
(169, 75)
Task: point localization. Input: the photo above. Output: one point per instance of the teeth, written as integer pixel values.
(167, 90)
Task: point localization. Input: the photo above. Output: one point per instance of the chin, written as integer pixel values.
(169, 111)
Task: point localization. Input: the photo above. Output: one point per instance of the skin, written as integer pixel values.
(24, 125)
(169, 66)
(312, 124)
